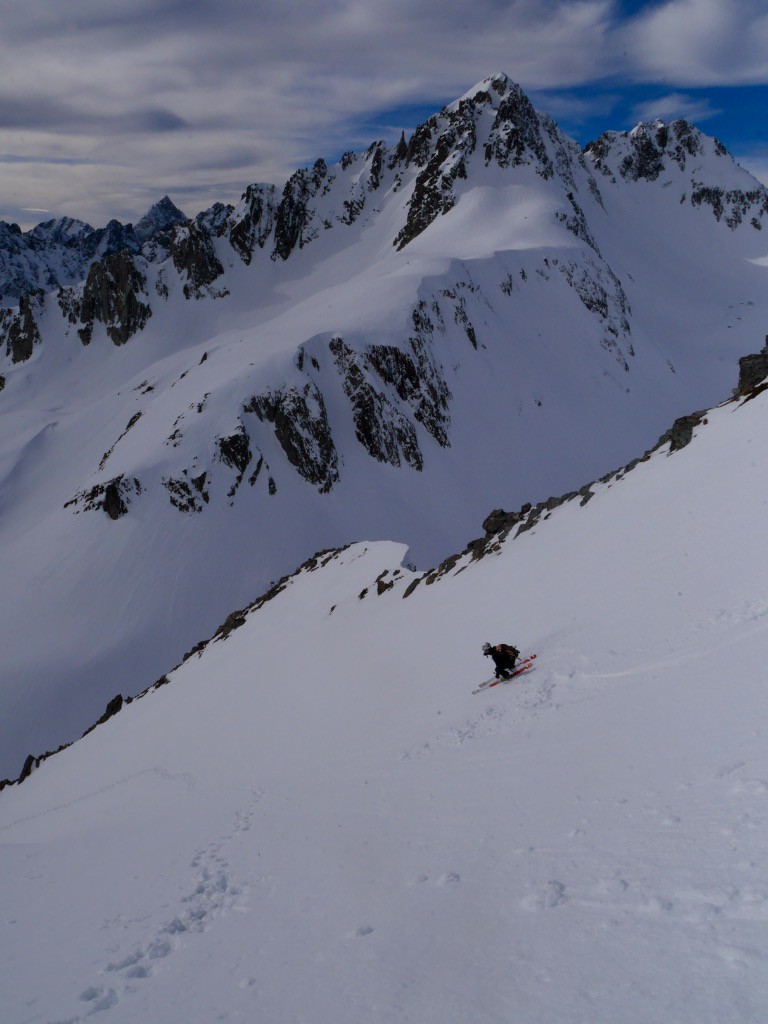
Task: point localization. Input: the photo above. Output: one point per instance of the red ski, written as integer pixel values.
(526, 663)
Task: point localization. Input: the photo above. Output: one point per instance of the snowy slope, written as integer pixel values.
(316, 820)
(388, 348)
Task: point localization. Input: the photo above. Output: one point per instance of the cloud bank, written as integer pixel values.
(105, 107)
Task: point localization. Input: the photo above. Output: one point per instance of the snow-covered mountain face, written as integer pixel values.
(388, 347)
(314, 818)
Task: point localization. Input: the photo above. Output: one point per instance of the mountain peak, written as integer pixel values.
(162, 215)
(492, 89)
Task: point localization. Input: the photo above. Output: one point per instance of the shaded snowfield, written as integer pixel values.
(317, 821)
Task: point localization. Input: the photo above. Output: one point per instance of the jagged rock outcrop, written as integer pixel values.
(516, 136)
(417, 381)
(294, 215)
(443, 145)
(646, 151)
(385, 433)
(252, 220)
(187, 494)
(680, 433)
(215, 220)
(159, 219)
(112, 295)
(58, 253)
(753, 370)
(733, 205)
(112, 496)
(19, 330)
(301, 426)
(113, 238)
(657, 148)
(194, 255)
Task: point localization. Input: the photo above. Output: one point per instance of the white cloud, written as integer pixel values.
(700, 42)
(673, 106)
(105, 107)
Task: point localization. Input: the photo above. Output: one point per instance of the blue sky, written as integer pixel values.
(106, 107)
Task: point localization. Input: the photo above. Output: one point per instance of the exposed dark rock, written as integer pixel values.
(113, 707)
(113, 496)
(680, 433)
(111, 296)
(193, 253)
(516, 137)
(293, 212)
(19, 330)
(113, 504)
(254, 220)
(30, 764)
(400, 153)
(198, 482)
(159, 219)
(499, 520)
(433, 193)
(417, 381)
(601, 292)
(648, 149)
(753, 370)
(216, 219)
(384, 432)
(181, 494)
(235, 450)
(107, 241)
(302, 428)
(131, 423)
(376, 153)
(382, 584)
(732, 205)
(2, 382)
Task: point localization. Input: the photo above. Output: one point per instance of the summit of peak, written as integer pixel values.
(496, 87)
(161, 216)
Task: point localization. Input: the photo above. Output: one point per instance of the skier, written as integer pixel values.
(504, 658)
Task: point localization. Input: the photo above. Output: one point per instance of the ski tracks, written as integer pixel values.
(211, 893)
(528, 695)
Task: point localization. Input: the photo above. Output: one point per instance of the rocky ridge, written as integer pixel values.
(675, 151)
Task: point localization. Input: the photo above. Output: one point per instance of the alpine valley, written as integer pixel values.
(312, 817)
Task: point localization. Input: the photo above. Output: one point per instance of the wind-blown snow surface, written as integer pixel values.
(316, 820)
(568, 313)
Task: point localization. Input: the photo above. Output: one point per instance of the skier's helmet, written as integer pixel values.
(486, 648)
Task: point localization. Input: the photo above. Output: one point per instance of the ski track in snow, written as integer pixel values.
(212, 893)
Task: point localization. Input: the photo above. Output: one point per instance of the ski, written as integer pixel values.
(521, 667)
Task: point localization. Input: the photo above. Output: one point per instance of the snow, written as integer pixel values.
(317, 820)
(112, 605)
